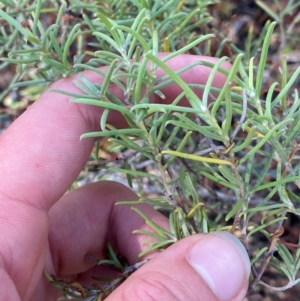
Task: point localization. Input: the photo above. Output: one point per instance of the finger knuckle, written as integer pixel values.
(152, 288)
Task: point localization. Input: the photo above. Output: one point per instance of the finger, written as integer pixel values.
(85, 220)
(204, 267)
(44, 144)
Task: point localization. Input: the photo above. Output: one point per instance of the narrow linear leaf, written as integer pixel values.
(265, 138)
(238, 205)
(158, 229)
(261, 227)
(272, 184)
(179, 148)
(70, 40)
(135, 34)
(113, 133)
(197, 158)
(14, 23)
(134, 173)
(103, 104)
(263, 59)
(230, 78)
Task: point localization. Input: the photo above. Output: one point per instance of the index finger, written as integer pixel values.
(41, 153)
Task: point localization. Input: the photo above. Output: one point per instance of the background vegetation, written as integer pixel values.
(228, 163)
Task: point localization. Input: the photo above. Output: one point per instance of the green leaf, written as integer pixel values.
(128, 132)
(66, 49)
(260, 253)
(117, 34)
(276, 183)
(266, 138)
(86, 86)
(158, 229)
(263, 226)
(191, 96)
(179, 148)
(228, 174)
(263, 59)
(211, 77)
(15, 24)
(268, 10)
(196, 157)
(287, 87)
(230, 78)
(237, 206)
(103, 104)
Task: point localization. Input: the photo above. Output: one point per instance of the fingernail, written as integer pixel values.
(222, 261)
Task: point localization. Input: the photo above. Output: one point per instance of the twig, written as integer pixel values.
(272, 248)
(182, 199)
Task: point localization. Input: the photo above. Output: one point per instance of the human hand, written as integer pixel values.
(44, 228)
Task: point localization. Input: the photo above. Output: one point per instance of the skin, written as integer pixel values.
(44, 228)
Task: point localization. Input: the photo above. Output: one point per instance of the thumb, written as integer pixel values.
(206, 267)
